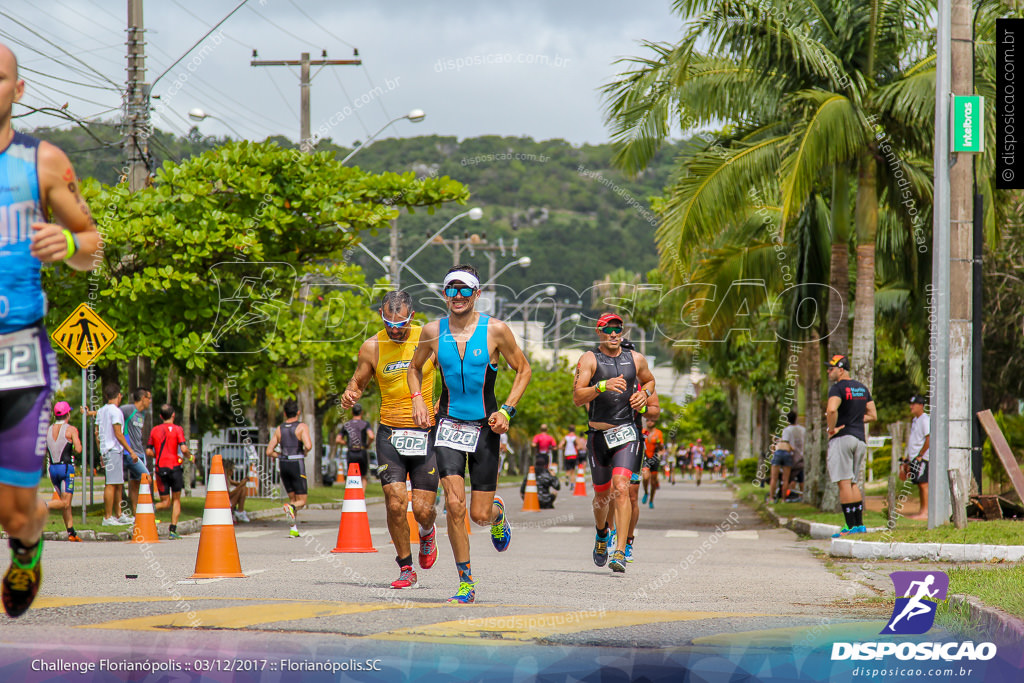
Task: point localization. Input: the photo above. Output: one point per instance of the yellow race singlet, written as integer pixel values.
(392, 363)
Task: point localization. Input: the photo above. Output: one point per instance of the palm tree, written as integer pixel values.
(804, 87)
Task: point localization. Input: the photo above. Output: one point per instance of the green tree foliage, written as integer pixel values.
(708, 417)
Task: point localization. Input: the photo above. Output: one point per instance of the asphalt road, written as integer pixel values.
(708, 576)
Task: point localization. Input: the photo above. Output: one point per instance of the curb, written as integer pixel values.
(1004, 629)
(947, 552)
(816, 530)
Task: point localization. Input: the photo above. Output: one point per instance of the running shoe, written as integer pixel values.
(501, 534)
(74, 538)
(629, 552)
(859, 529)
(243, 516)
(21, 583)
(174, 536)
(407, 579)
(618, 561)
(289, 510)
(845, 531)
(428, 549)
(600, 550)
(466, 594)
(651, 504)
(110, 521)
(611, 540)
(293, 532)
(644, 501)
(126, 519)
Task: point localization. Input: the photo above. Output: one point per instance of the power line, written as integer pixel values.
(198, 18)
(354, 109)
(49, 58)
(281, 93)
(196, 44)
(50, 42)
(276, 25)
(68, 80)
(61, 113)
(88, 18)
(321, 26)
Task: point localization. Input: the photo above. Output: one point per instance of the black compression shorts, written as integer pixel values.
(293, 476)
(483, 462)
(173, 478)
(360, 458)
(392, 466)
(623, 460)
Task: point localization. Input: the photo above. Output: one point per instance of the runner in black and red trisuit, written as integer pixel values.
(359, 436)
(616, 383)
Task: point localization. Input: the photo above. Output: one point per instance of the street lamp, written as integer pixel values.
(199, 115)
(475, 214)
(416, 115)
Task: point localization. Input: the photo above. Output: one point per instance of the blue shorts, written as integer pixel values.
(24, 419)
(135, 469)
(783, 459)
(63, 474)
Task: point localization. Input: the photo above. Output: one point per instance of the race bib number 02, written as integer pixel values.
(21, 365)
(409, 442)
(461, 437)
(616, 436)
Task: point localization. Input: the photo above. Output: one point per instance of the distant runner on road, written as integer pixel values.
(295, 441)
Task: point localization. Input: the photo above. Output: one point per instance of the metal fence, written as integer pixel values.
(237, 458)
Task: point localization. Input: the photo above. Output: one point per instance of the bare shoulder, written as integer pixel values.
(430, 332)
(52, 159)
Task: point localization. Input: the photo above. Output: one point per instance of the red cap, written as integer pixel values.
(607, 318)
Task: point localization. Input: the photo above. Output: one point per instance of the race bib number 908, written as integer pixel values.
(21, 364)
(461, 437)
(409, 442)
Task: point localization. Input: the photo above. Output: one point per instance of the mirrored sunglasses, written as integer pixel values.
(452, 292)
(611, 329)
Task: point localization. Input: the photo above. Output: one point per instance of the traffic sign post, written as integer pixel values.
(83, 335)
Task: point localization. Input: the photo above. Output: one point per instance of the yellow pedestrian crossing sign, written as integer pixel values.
(83, 335)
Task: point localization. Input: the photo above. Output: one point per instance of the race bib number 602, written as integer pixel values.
(409, 442)
(461, 437)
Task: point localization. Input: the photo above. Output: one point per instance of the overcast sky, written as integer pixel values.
(477, 67)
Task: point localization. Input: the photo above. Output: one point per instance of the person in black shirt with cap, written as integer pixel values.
(849, 407)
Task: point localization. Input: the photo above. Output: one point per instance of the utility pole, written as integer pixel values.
(136, 101)
(305, 394)
(305, 141)
(961, 206)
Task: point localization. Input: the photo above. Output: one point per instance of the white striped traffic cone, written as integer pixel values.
(218, 550)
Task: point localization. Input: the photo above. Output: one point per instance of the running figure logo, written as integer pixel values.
(251, 297)
(917, 595)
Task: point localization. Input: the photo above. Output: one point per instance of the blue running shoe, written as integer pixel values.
(651, 504)
(501, 534)
(618, 561)
(845, 531)
(611, 540)
(859, 529)
(644, 501)
(629, 552)
(466, 594)
(600, 550)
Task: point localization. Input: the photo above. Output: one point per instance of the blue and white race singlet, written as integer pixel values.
(22, 301)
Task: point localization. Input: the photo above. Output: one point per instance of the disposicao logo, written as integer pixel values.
(917, 596)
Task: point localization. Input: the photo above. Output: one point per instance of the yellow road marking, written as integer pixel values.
(528, 627)
(245, 616)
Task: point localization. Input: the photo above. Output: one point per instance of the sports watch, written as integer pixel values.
(510, 410)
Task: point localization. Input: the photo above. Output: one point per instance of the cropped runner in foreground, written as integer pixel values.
(37, 186)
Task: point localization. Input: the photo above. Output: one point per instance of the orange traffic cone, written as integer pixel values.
(252, 485)
(354, 528)
(144, 529)
(530, 501)
(218, 550)
(581, 483)
(414, 527)
(667, 472)
(340, 478)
